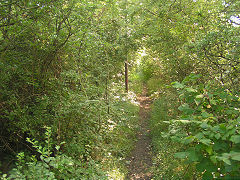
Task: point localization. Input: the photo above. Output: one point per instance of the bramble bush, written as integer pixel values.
(208, 128)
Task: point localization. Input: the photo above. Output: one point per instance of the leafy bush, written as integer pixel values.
(208, 127)
(98, 145)
(52, 165)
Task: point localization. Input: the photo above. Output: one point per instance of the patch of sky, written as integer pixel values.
(235, 21)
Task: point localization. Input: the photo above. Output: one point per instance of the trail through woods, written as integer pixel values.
(141, 157)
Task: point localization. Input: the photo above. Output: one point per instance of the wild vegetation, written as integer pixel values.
(64, 111)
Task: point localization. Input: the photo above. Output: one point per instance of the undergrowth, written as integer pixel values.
(165, 165)
(97, 153)
(195, 131)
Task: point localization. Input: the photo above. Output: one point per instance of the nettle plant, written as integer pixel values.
(208, 128)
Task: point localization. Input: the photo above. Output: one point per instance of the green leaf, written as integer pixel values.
(188, 139)
(206, 141)
(190, 89)
(235, 139)
(57, 147)
(47, 160)
(213, 159)
(218, 135)
(199, 136)
(219, 145)
(209, 150)
(222, 128)
(193, 156)
(192, 77)
(184, 121)
(235, 155)
(181, 155)
(215, 128)
(227, 161)
(238, 119)
(204, 125)
(207, 175)
(205, 164)
(200, 167)
(225, 158)
(178, 85)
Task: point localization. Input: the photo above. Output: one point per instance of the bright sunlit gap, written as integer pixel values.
(235, 21)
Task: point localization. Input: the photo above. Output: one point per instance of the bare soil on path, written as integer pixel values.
(141, 157)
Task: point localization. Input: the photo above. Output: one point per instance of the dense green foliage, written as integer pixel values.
(209, 126)
(183, 38)
(59, 63)
(203, 124)
(63, 109)
(186, 36)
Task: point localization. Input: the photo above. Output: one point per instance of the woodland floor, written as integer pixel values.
(141, 156)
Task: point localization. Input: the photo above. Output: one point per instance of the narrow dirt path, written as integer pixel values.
(141, 158)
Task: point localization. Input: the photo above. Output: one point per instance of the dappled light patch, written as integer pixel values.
(115, 174)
